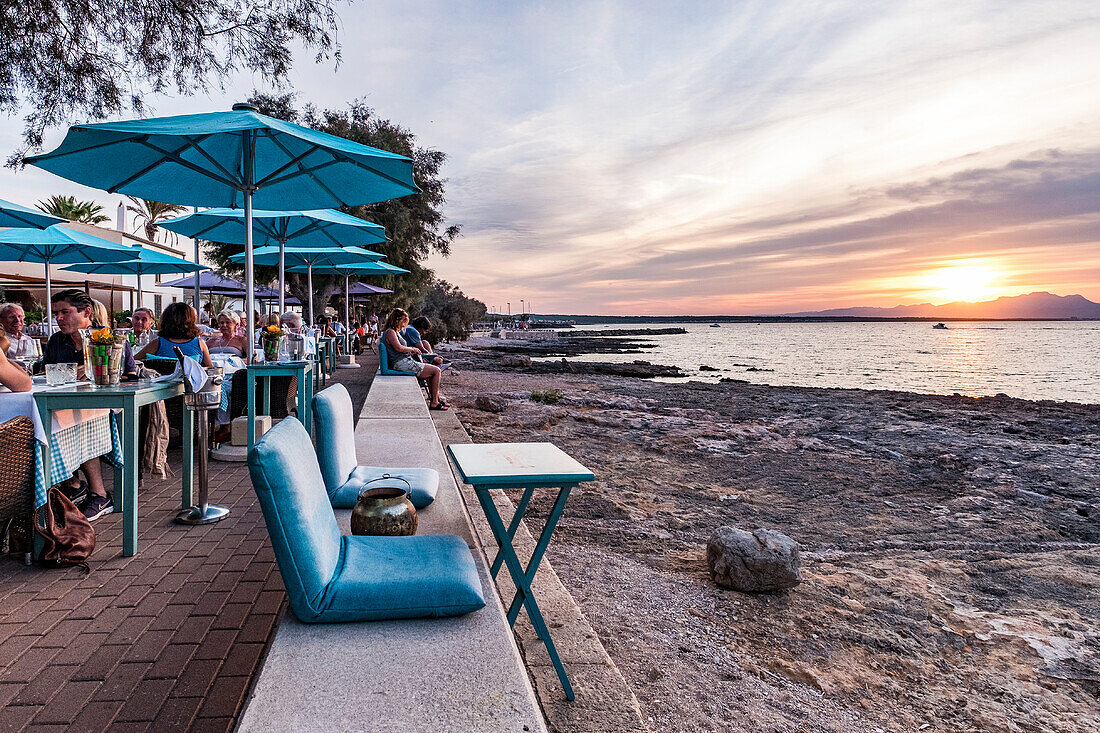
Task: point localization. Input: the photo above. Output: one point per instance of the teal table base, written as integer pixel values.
(523, 577)
(127, 398)
(304, 370)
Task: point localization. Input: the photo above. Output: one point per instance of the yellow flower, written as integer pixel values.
(272, 328)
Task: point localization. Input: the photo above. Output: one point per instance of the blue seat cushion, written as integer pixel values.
(402, 577)
(424, 483)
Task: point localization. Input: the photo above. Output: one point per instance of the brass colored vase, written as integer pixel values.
(384, 510)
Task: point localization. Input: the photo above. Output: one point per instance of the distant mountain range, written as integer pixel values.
(1030, 306)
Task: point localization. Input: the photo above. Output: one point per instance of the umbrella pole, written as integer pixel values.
(250, 336)
(49, 298)
(196, 286)
(282, 277)
(141, 300)
(309, 274)
(347, 316)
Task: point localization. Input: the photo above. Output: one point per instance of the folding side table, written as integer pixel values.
(526, 466)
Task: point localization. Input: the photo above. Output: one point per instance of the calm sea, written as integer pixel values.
(1032, 360)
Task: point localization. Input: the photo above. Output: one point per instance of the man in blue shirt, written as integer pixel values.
(414, 337)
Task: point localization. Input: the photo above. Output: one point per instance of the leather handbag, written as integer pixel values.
(67, 536)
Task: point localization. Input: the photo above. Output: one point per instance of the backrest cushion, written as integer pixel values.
(335, 430)
(298, 514)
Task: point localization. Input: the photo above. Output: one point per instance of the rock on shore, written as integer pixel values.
(754, 562)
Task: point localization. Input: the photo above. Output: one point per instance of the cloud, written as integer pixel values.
(765, 155)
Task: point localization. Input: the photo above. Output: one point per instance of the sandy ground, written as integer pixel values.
(950, 549)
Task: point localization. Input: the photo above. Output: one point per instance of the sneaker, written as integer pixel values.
(76, 494)
(97, 506)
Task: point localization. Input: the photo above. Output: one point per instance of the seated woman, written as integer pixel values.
(227, 340)
(401, 357)
(12, 376)
(179, 326)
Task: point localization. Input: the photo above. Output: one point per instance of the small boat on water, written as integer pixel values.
(716, 325)
(940, 325)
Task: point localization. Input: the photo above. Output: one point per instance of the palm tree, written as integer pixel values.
(67, 207)
(150, 212)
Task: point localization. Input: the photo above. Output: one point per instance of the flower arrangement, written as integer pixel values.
(271, 332)
(105, 337)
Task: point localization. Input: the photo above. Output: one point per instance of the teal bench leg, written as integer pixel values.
(520, 576)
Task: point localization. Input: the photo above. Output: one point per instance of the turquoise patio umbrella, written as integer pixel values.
(229, 159)
(58, 245)
(21, 217)
(306, 259)
(145, 262)
(350, 270)
(314, 228)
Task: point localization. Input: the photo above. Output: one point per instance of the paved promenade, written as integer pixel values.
(170, 639)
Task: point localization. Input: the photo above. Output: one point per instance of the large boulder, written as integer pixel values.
(515, 360)
(759, 561)
(490, 403)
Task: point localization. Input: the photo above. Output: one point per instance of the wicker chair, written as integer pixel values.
(17, 447)
(284, 392)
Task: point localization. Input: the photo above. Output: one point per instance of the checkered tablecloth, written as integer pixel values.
(74, 445)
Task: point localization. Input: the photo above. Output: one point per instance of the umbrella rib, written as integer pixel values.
(174, 157)
(304, 170)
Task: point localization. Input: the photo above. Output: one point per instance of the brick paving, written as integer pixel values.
(169, 639)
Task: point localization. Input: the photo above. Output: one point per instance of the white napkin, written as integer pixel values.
(195, 373)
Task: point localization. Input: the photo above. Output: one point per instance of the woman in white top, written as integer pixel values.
(12, 318)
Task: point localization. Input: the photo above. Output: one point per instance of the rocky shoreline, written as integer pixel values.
(950, 547)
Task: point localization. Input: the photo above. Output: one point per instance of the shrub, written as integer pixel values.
(547, 397)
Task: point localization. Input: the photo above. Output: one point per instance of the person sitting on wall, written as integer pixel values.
(405, 358)
(414, 336)
(21, 346)
(179, 326)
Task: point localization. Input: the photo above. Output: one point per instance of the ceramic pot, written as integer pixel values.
(384, 509)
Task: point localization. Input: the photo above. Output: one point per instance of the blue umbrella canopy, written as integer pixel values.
(314, 228)
(14, 215)
(229, 159)
(144, 262)
(59, 245)
(212, 159)
(356, 269)
(306, 260)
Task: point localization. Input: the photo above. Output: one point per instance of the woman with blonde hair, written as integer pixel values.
(401, 357)
(227, 340)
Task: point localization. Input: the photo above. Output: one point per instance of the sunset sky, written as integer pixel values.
(732, 157)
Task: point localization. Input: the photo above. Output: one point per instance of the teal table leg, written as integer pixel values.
(188, 431)
(540, 548)
(267, 395)
(250, 387)
(47, 465)
(305, 403)
(523, 585)
(130, 472)
(521, 508)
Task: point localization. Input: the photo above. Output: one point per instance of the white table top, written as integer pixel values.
(518, 464)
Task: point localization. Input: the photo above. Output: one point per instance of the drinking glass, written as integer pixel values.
(60, 374)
